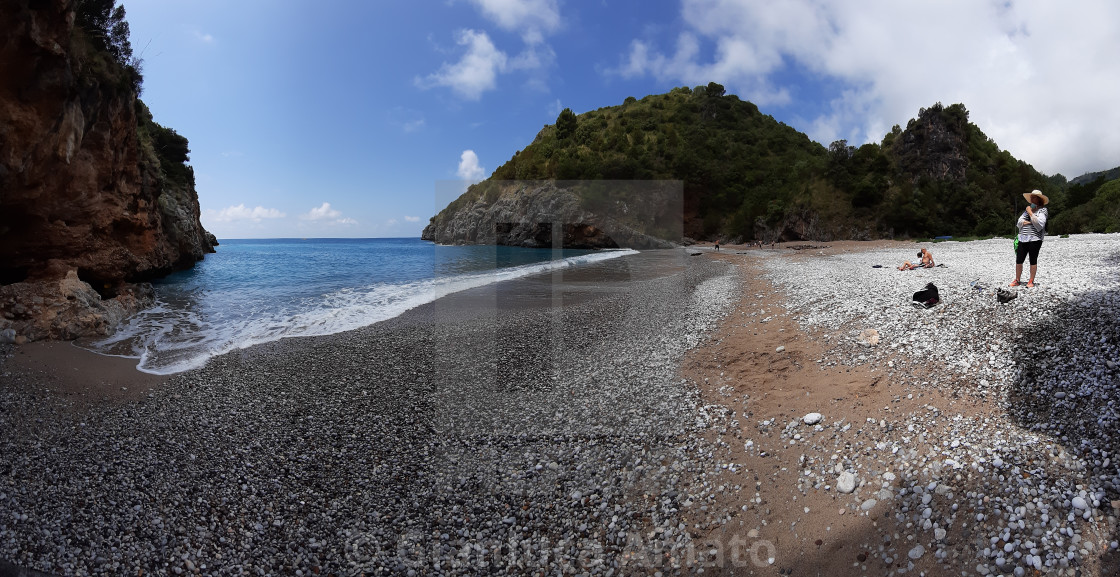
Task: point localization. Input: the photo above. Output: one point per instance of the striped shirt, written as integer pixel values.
(1032, 229)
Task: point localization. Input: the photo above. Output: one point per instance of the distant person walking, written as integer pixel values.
(1032, 229)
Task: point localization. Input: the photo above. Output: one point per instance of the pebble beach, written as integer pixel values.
(747, 411)
(482, 433)
(971, 438)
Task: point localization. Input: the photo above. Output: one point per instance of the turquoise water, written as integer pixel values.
(256, 291)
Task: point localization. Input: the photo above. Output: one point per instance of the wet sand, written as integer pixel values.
(74, 374)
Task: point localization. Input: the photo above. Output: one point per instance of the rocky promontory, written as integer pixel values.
(556, 214)
(95, 197)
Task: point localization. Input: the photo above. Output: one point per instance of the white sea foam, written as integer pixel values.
(168, 339)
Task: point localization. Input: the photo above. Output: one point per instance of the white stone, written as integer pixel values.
(812, 418)
(1079, 503)
(917, 552)
(846, 483)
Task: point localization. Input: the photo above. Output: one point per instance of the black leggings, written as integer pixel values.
(1028, 248)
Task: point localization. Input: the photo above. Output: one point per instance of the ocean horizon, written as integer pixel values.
(254, 291)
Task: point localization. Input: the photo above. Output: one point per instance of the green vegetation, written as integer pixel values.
(101, 38)
(749, 176)
(1090, 208)
(732, 159)
(167, 147)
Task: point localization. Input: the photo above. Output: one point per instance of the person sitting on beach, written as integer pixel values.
(926, 262)
(927, 259)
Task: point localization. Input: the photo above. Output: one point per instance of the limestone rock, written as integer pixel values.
(868, 337)
(541, 214)
(80, 193)
(66, 309)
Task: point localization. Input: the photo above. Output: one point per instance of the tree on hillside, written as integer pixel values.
(716, 90)
(566, 124)
(105, 23)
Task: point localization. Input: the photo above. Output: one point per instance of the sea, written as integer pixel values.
(256, 291)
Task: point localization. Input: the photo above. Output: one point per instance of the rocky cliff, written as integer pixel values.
(86, 208)
(549, 214)
(935, 145)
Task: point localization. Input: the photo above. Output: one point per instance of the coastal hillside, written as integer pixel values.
(1091, 203)
(745, 176)
(97, 196)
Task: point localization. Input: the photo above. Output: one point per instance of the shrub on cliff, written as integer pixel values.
(170, 150)
(103, 31)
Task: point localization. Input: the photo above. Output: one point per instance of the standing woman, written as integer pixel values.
(1032, 229)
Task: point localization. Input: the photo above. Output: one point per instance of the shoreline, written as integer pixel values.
(323, 454)
(661, 396)
(76, 374)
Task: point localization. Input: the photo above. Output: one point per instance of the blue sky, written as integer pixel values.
(354, 118)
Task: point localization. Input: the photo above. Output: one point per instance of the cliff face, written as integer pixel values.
(545, 214)
(81, 200)
(935, 145)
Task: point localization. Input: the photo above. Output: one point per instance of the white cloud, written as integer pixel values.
(532, 18)
(203, 37)
(322, 212)
(478, 69)
(469, 168)
(325, 214)
(241, 212)
(475, 73)
(1039, 78)
(412, 219)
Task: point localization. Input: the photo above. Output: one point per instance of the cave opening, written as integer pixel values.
(13, 274)
(106, 287)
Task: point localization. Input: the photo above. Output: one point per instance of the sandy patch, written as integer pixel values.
(775, 509)
(75, 376)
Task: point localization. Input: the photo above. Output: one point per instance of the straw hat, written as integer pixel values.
(1038, 193)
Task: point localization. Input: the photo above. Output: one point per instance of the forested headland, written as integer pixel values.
(747, 176)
